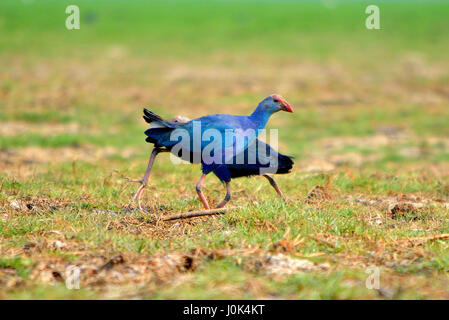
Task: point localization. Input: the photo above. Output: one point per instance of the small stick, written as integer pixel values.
(322, 241)
(421, 240)
(192, 214)
(443, 236)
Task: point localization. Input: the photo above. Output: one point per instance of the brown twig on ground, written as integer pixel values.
(322, 241)
(420, 240)
(193, 214)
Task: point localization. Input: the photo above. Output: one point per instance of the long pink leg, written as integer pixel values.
(144, 180)
(275, 186)
(200, 192)
(227, 196)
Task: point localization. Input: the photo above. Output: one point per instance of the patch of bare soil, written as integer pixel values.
(42, 242)
(342, 142)
(316, 165)
(333, 152)
(385, 253)
(42, 84)
(399, 205)
(30, 155)
(131, 274)
(10, 129)
(252, 77)
(317, 80)
(37, 205)
(100, 272)
(282, 265)
(10, 278)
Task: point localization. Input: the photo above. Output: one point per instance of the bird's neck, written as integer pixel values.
(260, 117)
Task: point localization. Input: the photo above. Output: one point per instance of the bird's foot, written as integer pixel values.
(221, 205)
(138, 194)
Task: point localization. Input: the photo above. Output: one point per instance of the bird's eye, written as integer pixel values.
(276, 100)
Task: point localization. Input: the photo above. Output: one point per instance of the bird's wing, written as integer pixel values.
(232, 132)
(258, 152)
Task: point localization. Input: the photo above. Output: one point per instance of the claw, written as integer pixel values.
(144, 181)
(227, 196)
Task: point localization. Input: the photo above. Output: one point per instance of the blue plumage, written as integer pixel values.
(258, 158)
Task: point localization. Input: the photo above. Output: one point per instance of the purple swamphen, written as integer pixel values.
(240, 155)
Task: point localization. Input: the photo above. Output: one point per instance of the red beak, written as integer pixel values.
(284, 104)
(286, 107)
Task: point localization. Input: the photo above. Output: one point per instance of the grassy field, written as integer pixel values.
(370, 137)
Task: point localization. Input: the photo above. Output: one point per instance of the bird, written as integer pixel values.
(242, 155)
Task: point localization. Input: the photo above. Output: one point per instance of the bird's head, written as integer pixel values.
(275, 103)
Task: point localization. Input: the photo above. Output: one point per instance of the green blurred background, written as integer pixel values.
(196, 29)
(196, 57)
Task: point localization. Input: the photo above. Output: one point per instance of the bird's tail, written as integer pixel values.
(285, 164)
(160, 129)
(151, 117)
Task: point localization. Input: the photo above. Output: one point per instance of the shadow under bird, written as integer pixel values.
(231, 158)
